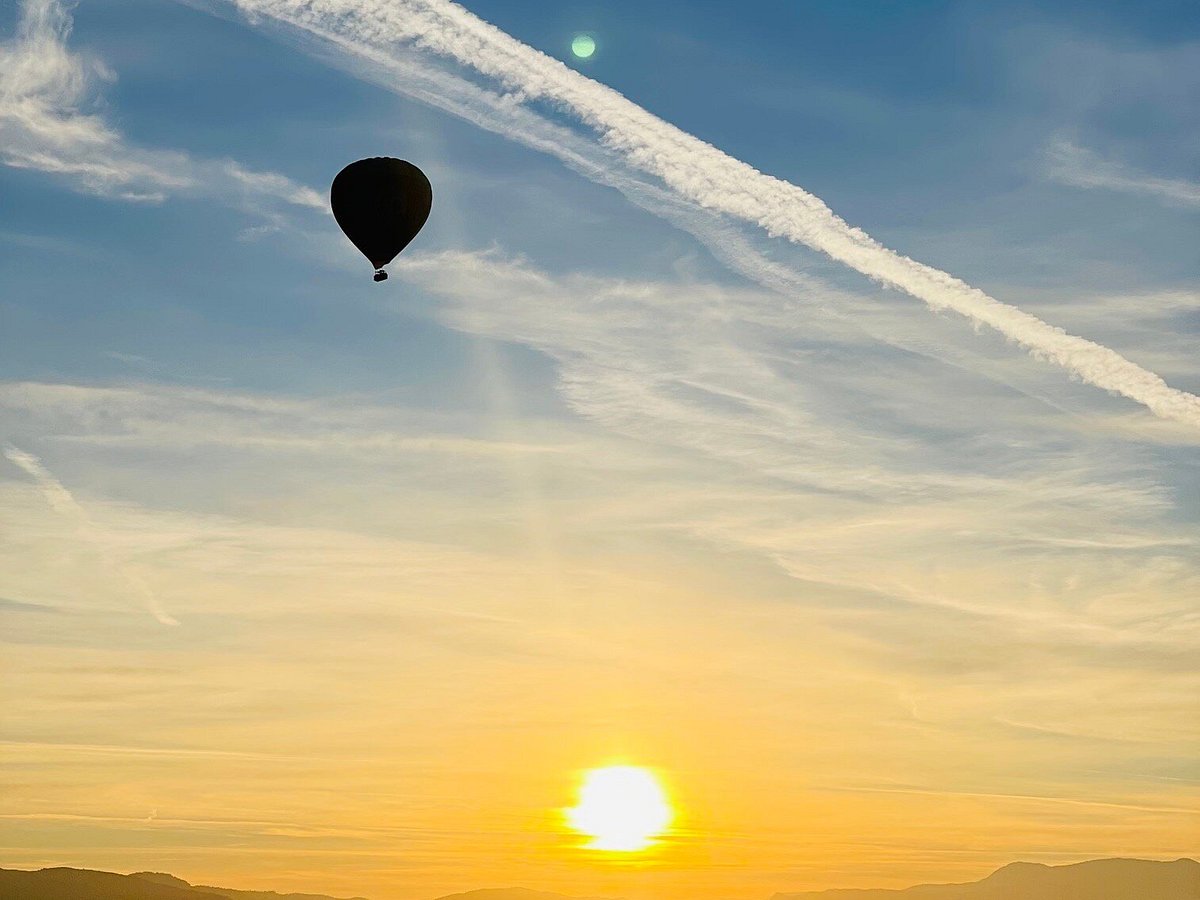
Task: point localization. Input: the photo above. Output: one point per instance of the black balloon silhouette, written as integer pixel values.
(381, 204)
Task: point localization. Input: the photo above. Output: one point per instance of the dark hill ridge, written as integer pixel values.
(85, 884)
(512, 894)
(1100, 879)
(1103, 879)
(230, 893)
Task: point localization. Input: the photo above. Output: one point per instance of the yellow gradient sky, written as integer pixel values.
(401, 719)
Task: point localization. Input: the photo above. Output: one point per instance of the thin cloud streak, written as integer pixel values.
(65, 504)
(704, 175)
(164, 416)
(1077, 166)
(1021, 798)
(59, 747)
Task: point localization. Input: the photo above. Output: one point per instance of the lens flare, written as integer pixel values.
(583, 46)
(621, 808)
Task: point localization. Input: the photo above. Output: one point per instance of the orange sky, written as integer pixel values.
(332, 742)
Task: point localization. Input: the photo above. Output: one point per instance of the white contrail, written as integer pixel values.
(65, 504)
(703, 174)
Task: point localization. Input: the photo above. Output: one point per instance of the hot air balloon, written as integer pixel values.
(381, 204)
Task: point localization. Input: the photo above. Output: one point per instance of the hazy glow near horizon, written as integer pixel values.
(622, 808)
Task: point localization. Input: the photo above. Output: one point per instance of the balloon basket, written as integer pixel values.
(380, 275)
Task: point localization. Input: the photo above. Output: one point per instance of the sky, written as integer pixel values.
(808, 415)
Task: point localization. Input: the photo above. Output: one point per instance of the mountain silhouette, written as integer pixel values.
(511, 894)
(85, 884)
(1100, 879)
(230, 893)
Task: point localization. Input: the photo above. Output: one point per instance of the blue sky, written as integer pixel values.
(608, 430)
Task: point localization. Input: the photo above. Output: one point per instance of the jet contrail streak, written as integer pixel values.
(705, 175)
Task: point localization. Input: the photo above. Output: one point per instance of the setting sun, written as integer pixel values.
(622, 808)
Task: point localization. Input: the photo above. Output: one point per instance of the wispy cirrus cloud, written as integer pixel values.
(64, 503)
(46, 91)
(723, 375)
(1069, 163)
(719, 386)
(163, 417)
(941, 545)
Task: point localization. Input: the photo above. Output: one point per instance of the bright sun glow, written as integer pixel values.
(621, 808)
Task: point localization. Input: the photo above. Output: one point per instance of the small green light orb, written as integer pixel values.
(583, 46)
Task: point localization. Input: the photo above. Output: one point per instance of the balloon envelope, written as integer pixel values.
(381, 204)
